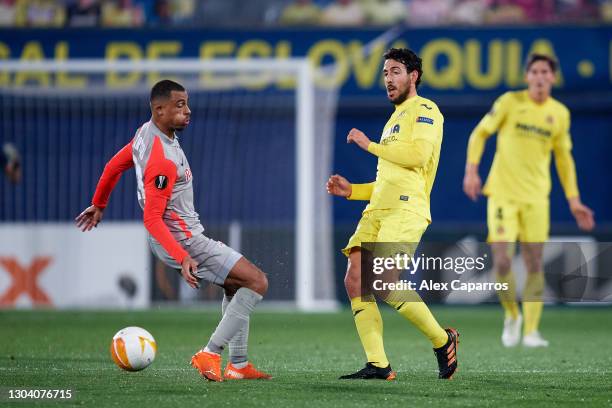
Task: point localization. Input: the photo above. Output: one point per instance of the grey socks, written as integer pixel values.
(238, 344)
(234, 326)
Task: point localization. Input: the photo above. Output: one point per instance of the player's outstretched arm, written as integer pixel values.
(113, 170)
(92, 215)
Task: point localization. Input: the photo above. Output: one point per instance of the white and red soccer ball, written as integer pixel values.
(133, 348)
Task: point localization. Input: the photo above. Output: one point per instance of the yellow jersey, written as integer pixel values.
(527, 133)
(408, 155)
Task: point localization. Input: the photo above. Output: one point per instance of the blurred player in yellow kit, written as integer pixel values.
(530, 124)
(398, 211)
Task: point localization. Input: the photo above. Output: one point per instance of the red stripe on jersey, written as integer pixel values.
(159, 179)
(181, 223)
(120, 162)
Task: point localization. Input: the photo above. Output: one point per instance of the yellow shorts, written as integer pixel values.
(393, 225)
(509, 220)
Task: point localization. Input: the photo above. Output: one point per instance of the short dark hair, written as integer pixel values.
(164, 88)
(408, 58)
(533, 58)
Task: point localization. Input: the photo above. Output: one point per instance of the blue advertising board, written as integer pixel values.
(455, 61)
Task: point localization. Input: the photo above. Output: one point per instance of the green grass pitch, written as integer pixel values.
(306, 353)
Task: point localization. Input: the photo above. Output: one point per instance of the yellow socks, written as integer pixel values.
(370, 328)
(507, 298)
(410, 305)
(532, 302)
(532, 299)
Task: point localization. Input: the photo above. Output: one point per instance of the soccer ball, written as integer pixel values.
(133, 348)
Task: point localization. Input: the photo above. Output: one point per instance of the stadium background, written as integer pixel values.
(473, 51)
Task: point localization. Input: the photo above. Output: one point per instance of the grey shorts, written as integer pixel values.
(215, 259)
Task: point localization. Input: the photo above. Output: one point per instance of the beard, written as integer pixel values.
(400, 98)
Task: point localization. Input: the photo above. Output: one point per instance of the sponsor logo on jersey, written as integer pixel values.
(395, 129)
(425, 119)
(531, 129)
(404, 198)
(426, 107)
(161, 182)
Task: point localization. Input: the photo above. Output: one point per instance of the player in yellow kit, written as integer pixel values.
(398, 211)
(530, 124)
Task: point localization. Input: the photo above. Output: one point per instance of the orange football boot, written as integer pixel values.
(249, 372)
(208, 364)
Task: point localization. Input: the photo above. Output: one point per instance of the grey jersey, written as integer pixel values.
(179, 215)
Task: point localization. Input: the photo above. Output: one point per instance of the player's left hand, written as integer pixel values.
(89, 218)
(339, 186)
(584, 215)
(189, 269)
(358, 137)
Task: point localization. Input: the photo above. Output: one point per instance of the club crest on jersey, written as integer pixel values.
(424, 119)
(161, 182)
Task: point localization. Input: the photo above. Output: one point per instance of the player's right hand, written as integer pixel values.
(188, 270)
(89, 218)
(339, 186)
(585, 217)
(472, 184)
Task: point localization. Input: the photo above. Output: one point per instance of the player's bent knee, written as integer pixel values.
(262, 282)
(246, 275)
(349, 281)
(352, 283)
(257, 282)
(352, 279)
